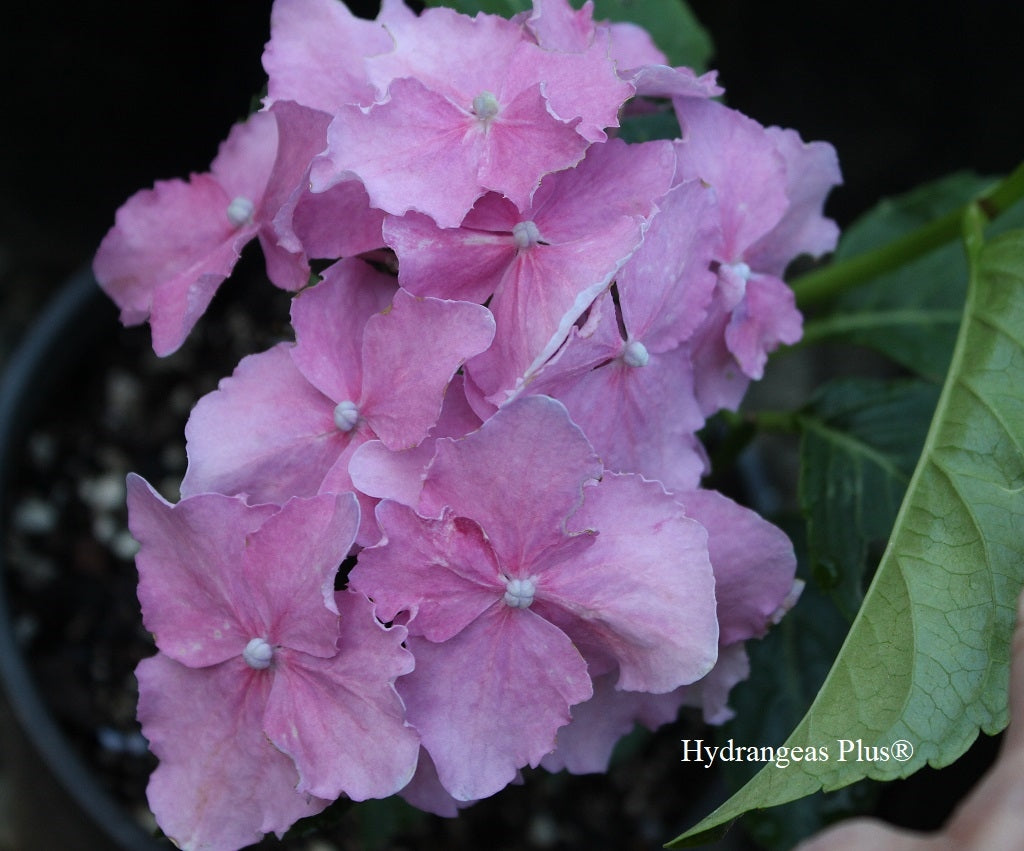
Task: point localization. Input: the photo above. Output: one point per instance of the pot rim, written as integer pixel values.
(75, 317)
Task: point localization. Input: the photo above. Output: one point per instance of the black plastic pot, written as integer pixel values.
(55, 799)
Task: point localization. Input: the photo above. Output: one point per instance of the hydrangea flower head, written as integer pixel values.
(489, 414)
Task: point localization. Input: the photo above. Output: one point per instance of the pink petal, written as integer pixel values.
(657, 80)
(766, 317)
(302, 134)
(737, 157)
(558, 26)
(410, 353)
(265, 432)
(616, 180)
(443, 572)
(402, 149)
(644, 593)
(192, 589)
(337, 480)
(666, 286)
(425, 791)
(337, 222)
(719, 381)
(290, 564)
(377, 471)
(585, 745)
(583, 86)
(633, 47)
(340, 718)
(170, 249)
(753, 562)
(490, 700)
(812, 169)
(492, 475)
(220, 784)
(464, 263)
(316, 51)
(711, 694)
(245, 159)
(641, 419)
(329, 321)
(453, 54)
(172, 246)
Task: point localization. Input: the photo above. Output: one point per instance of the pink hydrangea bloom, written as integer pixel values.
(469, 105)
(523, 576)
(541, 266)
(770, 188)
(172, 246)
(491, 405)
(370, 361)
(625, 374)
(271, 695)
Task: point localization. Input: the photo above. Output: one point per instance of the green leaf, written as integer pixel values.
(505, 8)
(927, 658)
(648, 126)
(912, 313)
(860, 442)
(671, 23)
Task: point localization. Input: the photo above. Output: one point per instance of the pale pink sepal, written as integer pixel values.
(191, 588)
(316, 51)
(220, 784)
(644, 592)
(585, 745)
(490, 700)
(341, 720)
(753, 562)
(266, 432)
(533, 433)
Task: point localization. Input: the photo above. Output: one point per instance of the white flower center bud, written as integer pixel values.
(635, 354)
(732, 282)
(741, 270)
(346, 415)
(485, 106)
(526, 234)
(519, 592)
(240, 211)
(258, 653)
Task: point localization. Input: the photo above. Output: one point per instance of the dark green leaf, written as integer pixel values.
(505, 8)
(912, 314)
(860, 442)
(649, 126)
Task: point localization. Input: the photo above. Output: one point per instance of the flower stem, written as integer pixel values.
(829, 281)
